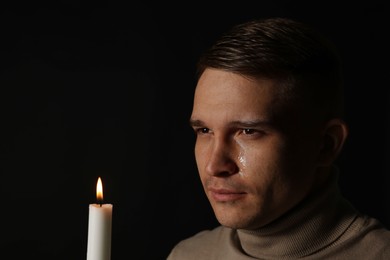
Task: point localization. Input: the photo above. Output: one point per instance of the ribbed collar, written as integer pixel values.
(316, 223)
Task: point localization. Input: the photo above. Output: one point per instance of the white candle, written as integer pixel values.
(99, 228)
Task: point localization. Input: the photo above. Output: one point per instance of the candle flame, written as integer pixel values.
(99, 190)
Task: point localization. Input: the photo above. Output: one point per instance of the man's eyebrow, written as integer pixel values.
(240, 123)
(252, 123)
(196, 122)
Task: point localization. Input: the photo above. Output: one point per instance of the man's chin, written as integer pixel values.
(236, 220)
(232, 222)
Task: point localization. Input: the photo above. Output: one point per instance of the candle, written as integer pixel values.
(99, 227)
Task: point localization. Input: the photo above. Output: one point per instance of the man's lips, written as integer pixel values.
(225, 195)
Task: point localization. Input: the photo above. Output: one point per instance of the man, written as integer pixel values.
(268, 116)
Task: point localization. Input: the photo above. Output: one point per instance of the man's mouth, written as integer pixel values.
(226, 195)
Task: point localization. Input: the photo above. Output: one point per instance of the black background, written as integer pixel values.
(102, 89)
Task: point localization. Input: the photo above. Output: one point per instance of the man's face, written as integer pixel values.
(254, 160)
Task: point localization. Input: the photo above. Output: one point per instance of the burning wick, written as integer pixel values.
(99, 192)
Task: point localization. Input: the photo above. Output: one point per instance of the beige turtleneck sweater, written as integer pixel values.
(324, 226)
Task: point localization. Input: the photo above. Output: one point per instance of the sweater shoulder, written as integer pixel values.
(375, 237)
(366, 238)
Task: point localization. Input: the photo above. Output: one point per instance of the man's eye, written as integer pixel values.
(202, 130)
(248, 131)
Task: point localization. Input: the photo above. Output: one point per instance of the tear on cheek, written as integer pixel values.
(242, 164)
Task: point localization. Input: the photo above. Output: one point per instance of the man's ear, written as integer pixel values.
(334, 135)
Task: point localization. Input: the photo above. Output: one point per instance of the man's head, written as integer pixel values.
(267, 114)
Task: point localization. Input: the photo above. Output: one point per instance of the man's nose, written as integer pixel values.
(221, 159)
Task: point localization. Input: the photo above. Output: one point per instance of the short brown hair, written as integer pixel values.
(287, 51)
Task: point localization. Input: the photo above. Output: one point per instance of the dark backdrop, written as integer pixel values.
(99, 89)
